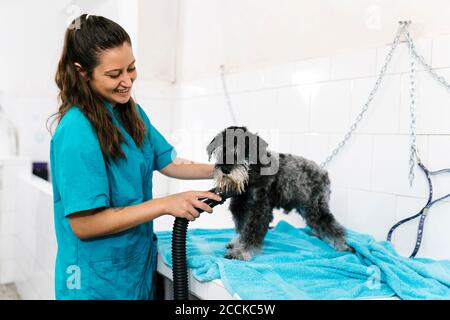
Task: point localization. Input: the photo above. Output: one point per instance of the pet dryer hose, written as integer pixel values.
(179, 260)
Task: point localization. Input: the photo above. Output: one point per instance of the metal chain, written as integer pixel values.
(414, 151)
(427, 67)
(413, 154)
(353, 127)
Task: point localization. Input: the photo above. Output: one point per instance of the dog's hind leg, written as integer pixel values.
(325, 226)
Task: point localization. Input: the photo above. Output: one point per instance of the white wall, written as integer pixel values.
(247, 34)
(10, 170)
(157, 37)
(28, 51)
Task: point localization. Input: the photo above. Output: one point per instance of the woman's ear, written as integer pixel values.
(81, 71)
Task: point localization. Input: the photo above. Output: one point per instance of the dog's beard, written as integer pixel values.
(234, 182)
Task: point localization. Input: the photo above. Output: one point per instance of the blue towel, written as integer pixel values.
(297, 265)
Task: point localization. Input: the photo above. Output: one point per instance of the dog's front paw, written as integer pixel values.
(238, 254)
(233, 243)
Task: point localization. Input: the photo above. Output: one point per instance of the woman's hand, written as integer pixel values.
(182, 205)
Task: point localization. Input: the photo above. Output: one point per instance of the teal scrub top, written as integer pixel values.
(118, 266)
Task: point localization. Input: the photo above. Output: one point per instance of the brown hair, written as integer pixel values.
(84, 40)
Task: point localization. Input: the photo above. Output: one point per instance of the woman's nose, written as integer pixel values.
(127, 81)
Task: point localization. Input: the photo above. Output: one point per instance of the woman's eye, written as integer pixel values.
(115, 76)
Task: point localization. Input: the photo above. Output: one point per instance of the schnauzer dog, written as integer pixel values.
(259, 180)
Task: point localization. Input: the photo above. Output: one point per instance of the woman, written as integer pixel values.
(102, 156)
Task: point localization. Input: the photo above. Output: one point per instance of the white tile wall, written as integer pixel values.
(200, 87)
(283, 143)
(246, 80)
(437, 160)
(280, 75)
(262, 106)
(370, 212)
(311, 146)
(436, 239)
(432, 101)
(312, 71)
(339, 204)
(292, 217)
(330, 107)
(351, 65)
(382, 115)
(293, 101)
(391, 165)
(242, 106)
(441, 51)
(353, 166)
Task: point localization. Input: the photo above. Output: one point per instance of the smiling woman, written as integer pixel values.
(102, 156)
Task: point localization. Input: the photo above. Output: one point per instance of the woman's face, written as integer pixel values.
(114, 75)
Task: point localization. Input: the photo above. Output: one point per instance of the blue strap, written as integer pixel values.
(424, 212)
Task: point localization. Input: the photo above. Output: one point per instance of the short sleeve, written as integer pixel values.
(164, 152)
(79, 166)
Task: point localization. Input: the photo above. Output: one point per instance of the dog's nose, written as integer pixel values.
(226, 169)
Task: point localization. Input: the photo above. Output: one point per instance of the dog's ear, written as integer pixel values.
(213, 145)
(210, 148)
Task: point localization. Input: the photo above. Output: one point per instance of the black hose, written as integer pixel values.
(179, 267)
(179, 260)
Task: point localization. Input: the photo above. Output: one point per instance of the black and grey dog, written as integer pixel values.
(260, 180)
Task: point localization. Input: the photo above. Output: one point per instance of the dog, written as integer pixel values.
(259, 180)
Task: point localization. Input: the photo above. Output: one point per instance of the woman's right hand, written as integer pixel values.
(182, 205)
